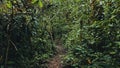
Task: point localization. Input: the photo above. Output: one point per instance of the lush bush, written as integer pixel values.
(95, 43)
(24, 39)
(90, 32)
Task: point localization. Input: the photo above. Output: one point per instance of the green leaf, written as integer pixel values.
(40, 4)
(34, 1)
(9, 5)
(112, 53)
(117, 43)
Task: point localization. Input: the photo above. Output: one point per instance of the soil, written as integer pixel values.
(55, 62)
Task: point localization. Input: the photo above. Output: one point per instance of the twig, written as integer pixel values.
(14, 45)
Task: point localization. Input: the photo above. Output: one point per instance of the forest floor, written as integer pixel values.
(55, 62)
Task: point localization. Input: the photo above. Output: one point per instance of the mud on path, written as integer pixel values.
(55, 62)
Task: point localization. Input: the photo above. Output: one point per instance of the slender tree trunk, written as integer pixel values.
(6, 55)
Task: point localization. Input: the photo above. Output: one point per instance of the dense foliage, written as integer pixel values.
(94, 41)
(89, 30)
(25, 41)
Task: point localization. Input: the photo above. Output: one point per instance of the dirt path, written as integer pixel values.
(55, 62)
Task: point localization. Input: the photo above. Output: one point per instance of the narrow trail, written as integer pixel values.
(55, 62)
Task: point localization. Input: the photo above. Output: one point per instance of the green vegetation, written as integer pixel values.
(88, 29)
